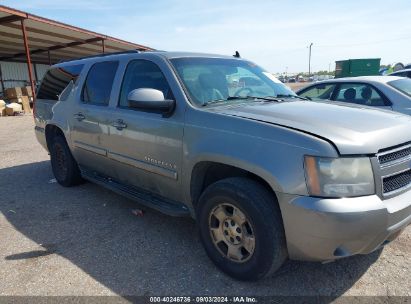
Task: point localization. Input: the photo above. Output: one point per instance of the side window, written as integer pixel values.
(400, 74)
(319, 92)
(360, 93)
(143, 74)
(58, 82)
(98, 84)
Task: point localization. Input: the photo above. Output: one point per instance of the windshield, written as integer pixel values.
(402, 85)
(212, 80)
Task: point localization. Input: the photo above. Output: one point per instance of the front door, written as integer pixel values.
(146, 147)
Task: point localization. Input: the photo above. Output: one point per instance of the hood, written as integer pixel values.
(352, 129)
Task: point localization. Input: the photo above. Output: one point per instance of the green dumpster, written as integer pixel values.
(357, 67)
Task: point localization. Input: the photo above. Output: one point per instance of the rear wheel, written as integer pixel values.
(65, 168)
(241, 228)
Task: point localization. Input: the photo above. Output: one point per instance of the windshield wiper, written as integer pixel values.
(213, 101)
(268, 98)
(256, 98)
(291, 96)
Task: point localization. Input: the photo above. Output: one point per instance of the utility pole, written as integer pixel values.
(309, 59)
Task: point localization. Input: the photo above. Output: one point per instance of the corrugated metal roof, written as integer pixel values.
(15, 74)
(49, 39)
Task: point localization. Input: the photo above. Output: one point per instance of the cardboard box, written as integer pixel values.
(27, 91)
(26, 104)
(11, 93)
(9, 111)
(13, 108)
(17, 100)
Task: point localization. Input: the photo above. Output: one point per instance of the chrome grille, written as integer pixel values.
(395, 155)
(397, 182)
(394, 170)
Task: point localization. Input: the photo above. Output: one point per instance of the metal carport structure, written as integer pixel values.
(25, 37)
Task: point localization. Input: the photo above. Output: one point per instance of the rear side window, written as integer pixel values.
(97, 87)
(58, 82)
(402, 85)
(359, 93)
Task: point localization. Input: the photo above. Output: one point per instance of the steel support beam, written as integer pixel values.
(10, 19)
(28, 58)
(1, 80)
(52, 48)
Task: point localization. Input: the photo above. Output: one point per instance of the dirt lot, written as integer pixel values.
(86, 241)
(297, 85)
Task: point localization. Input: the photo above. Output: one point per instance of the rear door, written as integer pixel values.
(146, 147)
(91, 117)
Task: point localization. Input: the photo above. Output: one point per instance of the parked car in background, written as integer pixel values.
(402, 73)
(385, 92)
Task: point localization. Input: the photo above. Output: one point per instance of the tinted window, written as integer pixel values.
(400, 74)
(143, 74)
(58, 82)
(320, 91)
(359, 93)
(97, 87)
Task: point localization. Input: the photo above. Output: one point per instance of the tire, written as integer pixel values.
(65, 168)
(256, 216)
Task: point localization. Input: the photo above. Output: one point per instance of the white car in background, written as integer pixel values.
(385, 92)
(402, 73)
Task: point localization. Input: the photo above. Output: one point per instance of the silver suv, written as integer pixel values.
(266, 174)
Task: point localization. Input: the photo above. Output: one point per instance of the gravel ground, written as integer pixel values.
(295, 86)
(86, 241)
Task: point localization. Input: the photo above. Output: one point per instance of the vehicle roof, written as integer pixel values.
(364, 79)
(192, 54)
(164, 54)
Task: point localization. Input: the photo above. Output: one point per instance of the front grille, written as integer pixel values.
(393, 156)
(397, 181)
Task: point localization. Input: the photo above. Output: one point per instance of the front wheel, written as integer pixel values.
(241, 228)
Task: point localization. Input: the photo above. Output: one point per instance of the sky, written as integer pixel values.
(273, 34)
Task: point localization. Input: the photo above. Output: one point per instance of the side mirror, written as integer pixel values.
(150, 100)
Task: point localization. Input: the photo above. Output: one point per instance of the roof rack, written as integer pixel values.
(103, 55)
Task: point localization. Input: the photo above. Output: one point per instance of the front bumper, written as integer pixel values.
(320, 229)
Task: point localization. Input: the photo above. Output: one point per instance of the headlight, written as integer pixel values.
(339, 177)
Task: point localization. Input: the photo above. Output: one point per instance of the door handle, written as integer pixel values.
(79, 116)
(119, 124)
